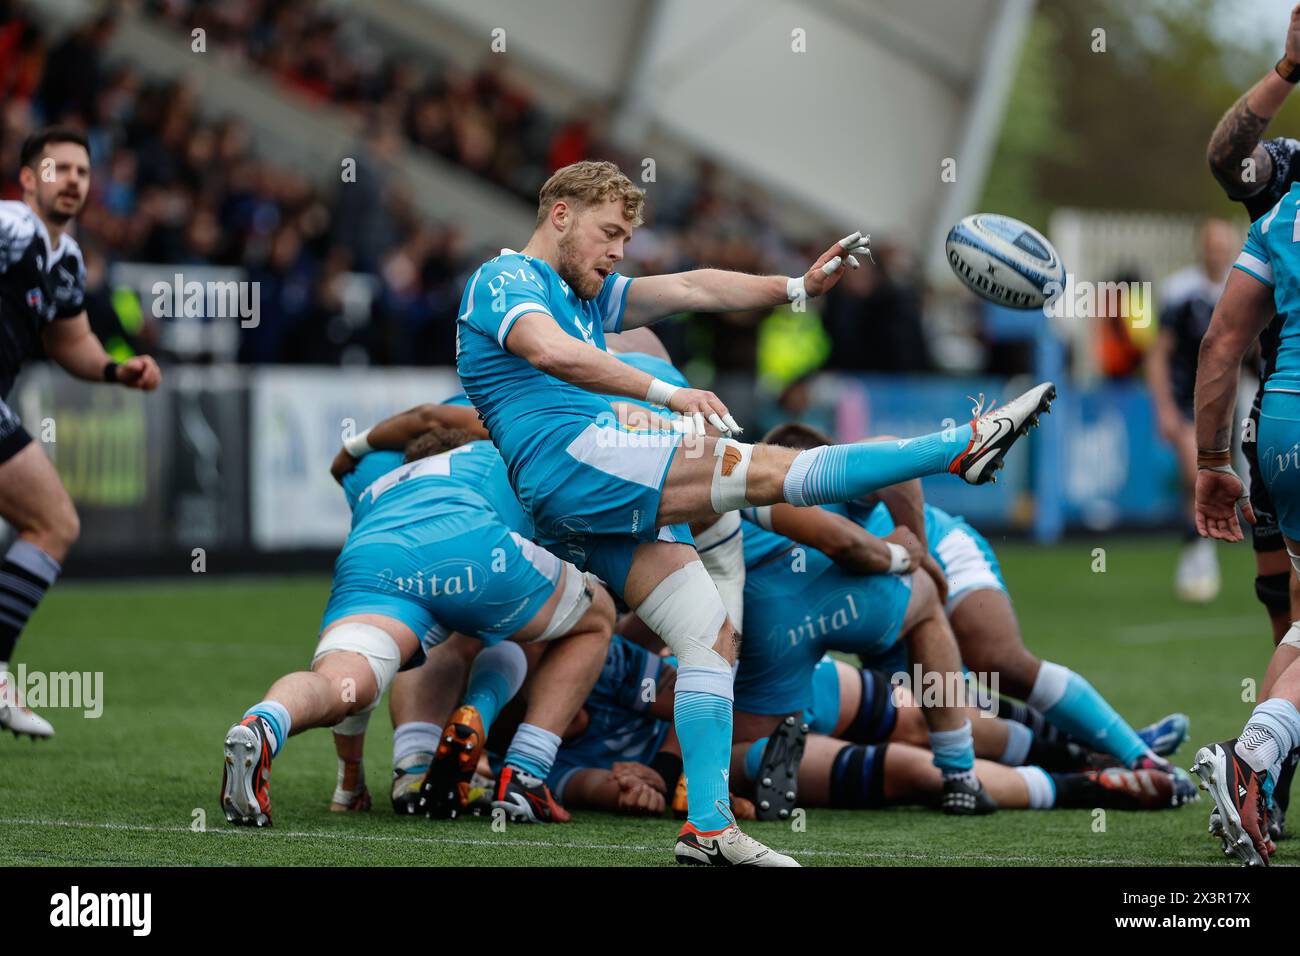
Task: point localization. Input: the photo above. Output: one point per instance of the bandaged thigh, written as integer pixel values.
(730, 473)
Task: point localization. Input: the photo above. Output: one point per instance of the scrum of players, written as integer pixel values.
(496, 538)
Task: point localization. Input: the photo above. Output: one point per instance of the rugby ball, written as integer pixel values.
(1004, 261)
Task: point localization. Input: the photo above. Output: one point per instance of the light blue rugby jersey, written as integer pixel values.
(521, 406)
(1272, 256)
(468, 483)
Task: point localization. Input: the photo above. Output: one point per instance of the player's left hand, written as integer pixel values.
(826, 271)
(343, 464)
(1218, 494)
(140, 372)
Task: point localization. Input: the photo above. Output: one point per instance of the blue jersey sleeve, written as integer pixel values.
(1255, 259)
(612, 301)
(371, 466)
(503, 290)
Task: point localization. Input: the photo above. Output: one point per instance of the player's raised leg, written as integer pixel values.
(34, 502)
(712, 476)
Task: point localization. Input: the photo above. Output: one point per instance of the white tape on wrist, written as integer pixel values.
(899, 560)
(660, 392)
(794, 290)
(357, 446)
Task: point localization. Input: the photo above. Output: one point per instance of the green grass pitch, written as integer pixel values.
(181, 660)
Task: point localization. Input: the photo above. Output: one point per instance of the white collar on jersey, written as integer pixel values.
(52, 255)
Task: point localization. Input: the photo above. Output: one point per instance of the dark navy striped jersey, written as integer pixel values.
(38, 284)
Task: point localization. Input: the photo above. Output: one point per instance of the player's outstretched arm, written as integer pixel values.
(1244, 309)
(1236, 138)
(843, 541)
(72, 344)
(394, 432)
(536, 338)
(714, 290)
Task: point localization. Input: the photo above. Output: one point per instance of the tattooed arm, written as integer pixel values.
(1237, 137)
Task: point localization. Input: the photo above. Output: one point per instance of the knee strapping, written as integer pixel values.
(686, 611)
(1274, 591)
(730, 473)
(380, 651)
(578, 590)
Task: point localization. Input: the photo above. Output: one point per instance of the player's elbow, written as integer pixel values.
(429, 415)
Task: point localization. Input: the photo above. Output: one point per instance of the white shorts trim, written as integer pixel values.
(966, 566)
(639, 457)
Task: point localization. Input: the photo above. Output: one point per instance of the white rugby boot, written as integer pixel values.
(17, 718)
(728, 847)
(993, 432)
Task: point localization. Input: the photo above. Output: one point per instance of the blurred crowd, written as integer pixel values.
(171, 186)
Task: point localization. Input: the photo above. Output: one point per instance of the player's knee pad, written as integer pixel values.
(1274, 591)
(577, 591)
(730, 473)
(722, 551)
(374, 644)
(686, 611)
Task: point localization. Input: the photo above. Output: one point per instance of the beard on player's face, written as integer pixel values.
(585, 272)
(60, 202)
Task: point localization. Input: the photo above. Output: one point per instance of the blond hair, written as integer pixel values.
(590, 183)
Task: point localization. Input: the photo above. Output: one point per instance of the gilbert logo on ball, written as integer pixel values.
(1003, 260)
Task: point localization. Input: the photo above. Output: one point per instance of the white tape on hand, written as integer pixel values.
(794, 289)
(900, 562)
(660, 392)
(357, 446)
(831, 266)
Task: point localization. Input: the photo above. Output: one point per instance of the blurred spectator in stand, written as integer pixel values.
(873, 316)
(1118, 355)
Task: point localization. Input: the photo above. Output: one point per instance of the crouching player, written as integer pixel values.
(978, 606)
(428, 554)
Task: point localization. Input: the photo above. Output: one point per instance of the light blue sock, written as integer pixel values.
(533, 750)
(496, 676)
(275, 717)
(832, 473)
(754, 758)
(1272, 732)
(414, 737)
(702, 716)
(1072, 704)
(1019, 739)
(954, 750)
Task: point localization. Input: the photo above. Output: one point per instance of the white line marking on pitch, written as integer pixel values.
(461, 841)
(1224, 627)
